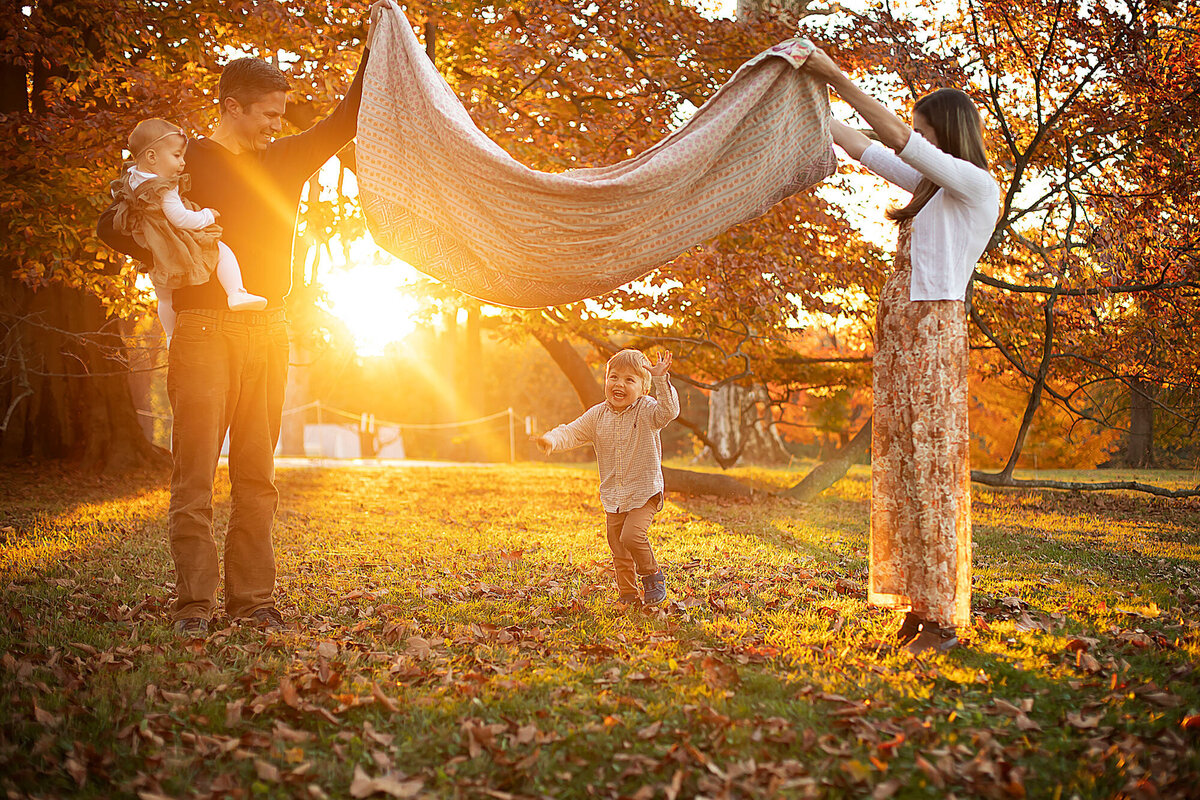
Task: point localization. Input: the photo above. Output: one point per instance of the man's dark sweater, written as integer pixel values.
(257, 193)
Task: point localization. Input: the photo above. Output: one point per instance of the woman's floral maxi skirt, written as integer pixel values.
(920, 440)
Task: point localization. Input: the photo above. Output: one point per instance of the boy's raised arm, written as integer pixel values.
(666, 407)
(667, 401)
(573, 434)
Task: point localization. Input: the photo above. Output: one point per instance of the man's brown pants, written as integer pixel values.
(227, 372)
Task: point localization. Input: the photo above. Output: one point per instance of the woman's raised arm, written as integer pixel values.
(852, 141)
(891, 129)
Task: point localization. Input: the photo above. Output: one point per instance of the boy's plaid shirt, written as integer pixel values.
(627, 443)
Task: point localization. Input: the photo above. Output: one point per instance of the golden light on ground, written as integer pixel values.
(375, 303)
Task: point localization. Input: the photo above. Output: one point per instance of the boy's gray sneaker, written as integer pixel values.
(191, 628)
(655, 588)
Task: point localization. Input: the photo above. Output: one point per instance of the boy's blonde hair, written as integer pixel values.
(636, 362)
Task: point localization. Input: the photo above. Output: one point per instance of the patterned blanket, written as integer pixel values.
(437, 193)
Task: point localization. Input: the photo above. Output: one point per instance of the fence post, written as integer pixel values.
(320, 431)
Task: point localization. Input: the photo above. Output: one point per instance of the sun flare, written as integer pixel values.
(375, 302)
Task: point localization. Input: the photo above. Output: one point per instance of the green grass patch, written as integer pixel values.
(458, 637)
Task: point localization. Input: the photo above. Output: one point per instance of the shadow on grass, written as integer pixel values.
(479, 603)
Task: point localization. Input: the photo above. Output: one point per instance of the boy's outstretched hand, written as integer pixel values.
(542, 443)
(663, 366)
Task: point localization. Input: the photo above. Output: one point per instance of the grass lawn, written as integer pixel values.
(459, 638)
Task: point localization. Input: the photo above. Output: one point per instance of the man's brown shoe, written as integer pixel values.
(269, 620)
(191, 628)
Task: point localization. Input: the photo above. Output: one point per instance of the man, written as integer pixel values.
(227, 370)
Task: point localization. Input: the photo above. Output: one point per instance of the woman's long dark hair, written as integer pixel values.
(955, 120)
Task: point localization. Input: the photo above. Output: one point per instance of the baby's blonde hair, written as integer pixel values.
(635, 361)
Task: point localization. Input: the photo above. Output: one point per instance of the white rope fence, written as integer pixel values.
(370, 423)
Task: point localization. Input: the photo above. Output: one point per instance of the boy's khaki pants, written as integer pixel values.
(632, 555)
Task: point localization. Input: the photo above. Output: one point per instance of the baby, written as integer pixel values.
(624, 430)
(183, 238)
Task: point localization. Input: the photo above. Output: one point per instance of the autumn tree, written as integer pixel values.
(74, 78)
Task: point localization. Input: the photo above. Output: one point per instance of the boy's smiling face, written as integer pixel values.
(622, 388)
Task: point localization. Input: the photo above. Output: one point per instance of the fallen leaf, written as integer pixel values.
(288, 693)
(1024, 723)
(1076, 719)
(417, 647)
(383, 699)
(233, 712)
(76, 770)
(1086, 662)
(528, 761)
(1163, 699)
(650, 731)
(671, 791)
(266, 771)
(856, 770)
(718, 674)
(888, 748)
(886, 789)
(931, 772)
(289, 734)
(1006, 707)
(364, 786)
(44, 717)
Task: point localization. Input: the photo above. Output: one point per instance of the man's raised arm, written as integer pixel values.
(304, 153)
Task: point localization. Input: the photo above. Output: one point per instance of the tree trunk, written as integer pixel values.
(741, 429)
(829, 472)
(65, 392)
(686, 481)
(61, 396)
(576, 370)
(1139, 448)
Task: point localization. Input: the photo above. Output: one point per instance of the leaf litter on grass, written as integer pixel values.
(478, 651)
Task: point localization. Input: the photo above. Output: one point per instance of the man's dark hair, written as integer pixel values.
(248, 80)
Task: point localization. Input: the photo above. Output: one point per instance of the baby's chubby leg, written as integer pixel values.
(166, 310)
(229, 275)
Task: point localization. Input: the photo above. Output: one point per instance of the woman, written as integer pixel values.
(920, 478)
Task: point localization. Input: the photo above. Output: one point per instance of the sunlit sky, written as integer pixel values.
(372, 294)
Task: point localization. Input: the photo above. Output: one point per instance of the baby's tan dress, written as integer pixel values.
(181, 257)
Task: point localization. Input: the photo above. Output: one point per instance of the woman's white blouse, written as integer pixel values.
(950, 233)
